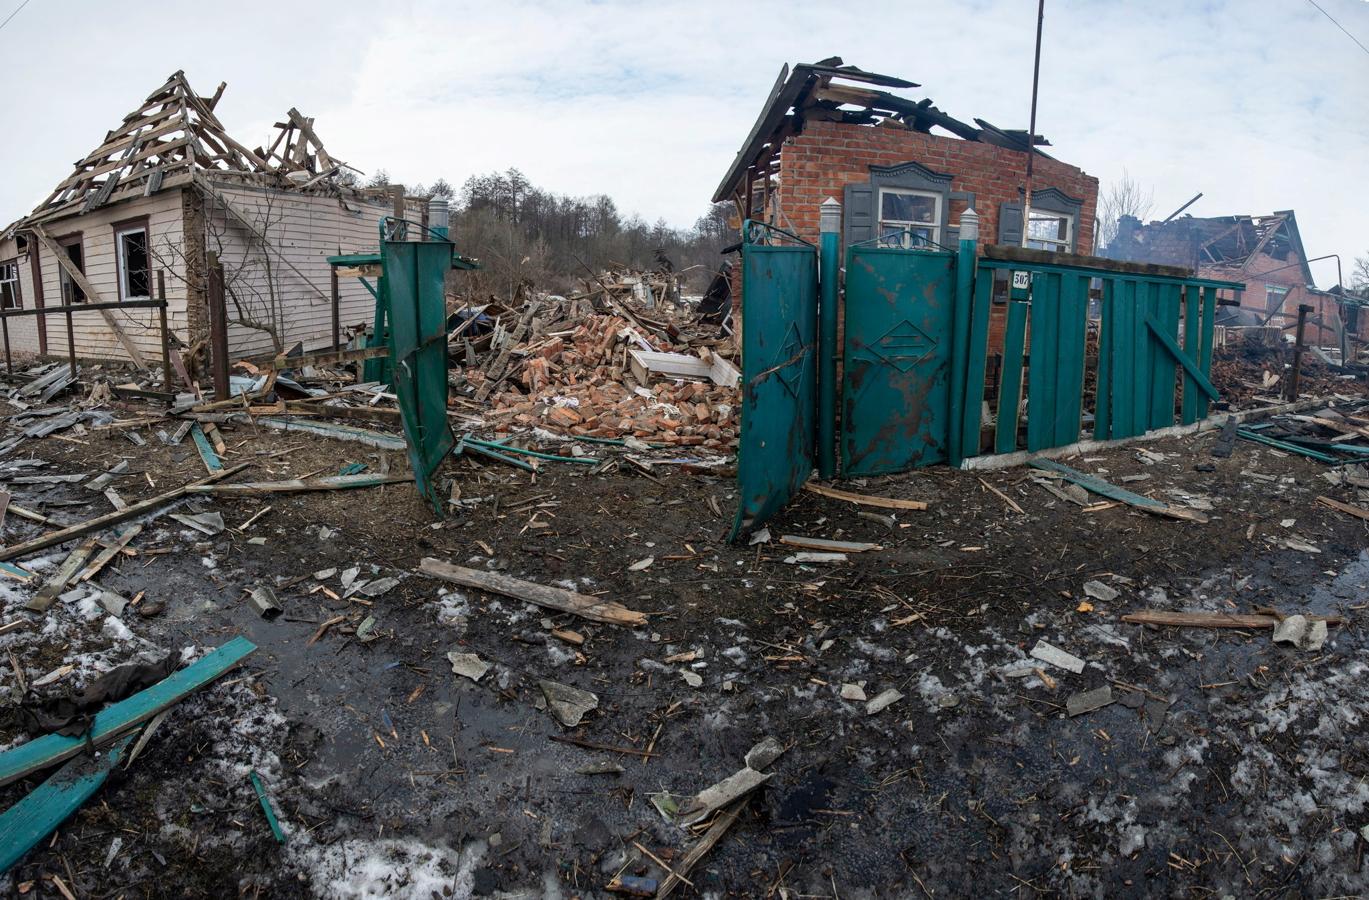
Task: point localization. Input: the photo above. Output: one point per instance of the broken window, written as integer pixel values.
(1051, 231)
(1274, 295)
(909, 218)
(135, 270)
(9, 284)
(71, 291)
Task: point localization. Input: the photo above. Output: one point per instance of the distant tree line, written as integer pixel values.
(530, 238)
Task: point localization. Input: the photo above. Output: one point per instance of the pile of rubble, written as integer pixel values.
(616, 374)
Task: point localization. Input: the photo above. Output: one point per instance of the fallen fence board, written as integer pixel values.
(582, 605)
(116, 719)
(339, 432)
(329, 483)
(1214, 619)
(47, 806)
(212, 463)
(812, 543)
(862, 499)
(1358, 512)
(62, 535)
(1113, 492)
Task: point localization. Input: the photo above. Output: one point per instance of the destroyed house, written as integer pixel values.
(903, 170)
(165, 193)
(1265, 253)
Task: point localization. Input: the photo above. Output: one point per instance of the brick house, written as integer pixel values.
(826, 130)
(1263, 252)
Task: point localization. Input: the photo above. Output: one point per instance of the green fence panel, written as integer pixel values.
(1209, 316)
(779, 378)
(1141, 352)
(976, 356)
(1069, 391)
(1043, 359)
(1010, 384)
(1102, 394)
(1192, 339)
(1164, 312)
(415, 274)
(896, 380)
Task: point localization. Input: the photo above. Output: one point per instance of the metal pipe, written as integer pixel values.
(1031, 128)
(829, 269)
(1196, 197)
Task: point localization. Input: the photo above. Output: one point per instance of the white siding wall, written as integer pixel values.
(94, 338)
(306, 229)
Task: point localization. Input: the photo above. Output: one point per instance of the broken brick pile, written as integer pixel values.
(581, 384)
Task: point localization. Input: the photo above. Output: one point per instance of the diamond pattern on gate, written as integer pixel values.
(903, 346)
(789, 369)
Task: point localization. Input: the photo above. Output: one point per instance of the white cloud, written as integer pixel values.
(1259, 105)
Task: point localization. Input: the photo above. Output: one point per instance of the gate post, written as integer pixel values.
(960, 331)
(829, 267)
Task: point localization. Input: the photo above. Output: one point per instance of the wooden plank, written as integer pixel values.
(1167, 342)
(1113, 492)
(1010, 382)
(1069, 386)
(1102, 394)
(1138, 372)
(1163, 322)
(133, 511)
(724, 820)
(592, 608)
(328, 357)
(118, 718)
(812, 543)
(112, 550)
(1358, 512)
(1209, 317)
(47, 594)
(976, 355)
(92, 295)
(1214, 619)
(1192, 338)
(862, 499)
(339, 432)
(1043, 356)
(212, 463)
(329, 483)
(40, 812)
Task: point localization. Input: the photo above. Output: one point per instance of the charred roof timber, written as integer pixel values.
(1212, 242)
(815, 92)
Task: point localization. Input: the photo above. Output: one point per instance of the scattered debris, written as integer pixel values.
(1057, 657)
(1301, 632)
(1088, 701)
(882, 701)
(568, 704)
(559, 599)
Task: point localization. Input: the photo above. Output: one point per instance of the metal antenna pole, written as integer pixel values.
(1031, 128)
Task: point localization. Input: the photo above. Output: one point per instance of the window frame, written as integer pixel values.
(1053, 245)
(18, 290)
(933, 241)
(121, 228)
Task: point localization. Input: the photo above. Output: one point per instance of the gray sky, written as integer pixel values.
(1262, 105)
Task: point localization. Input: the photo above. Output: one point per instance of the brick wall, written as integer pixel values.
(827, 156)
(1258, 272)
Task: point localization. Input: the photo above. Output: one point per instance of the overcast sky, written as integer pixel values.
(1261, 105)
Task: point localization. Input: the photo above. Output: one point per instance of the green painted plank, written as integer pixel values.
(1069, 388)
(1010, 385)
(211, 459)
(1102, 393)
(1168, 343)
(1043, 357)
(1165, 314)
(337, 432)
(118, 718)
(266, 806)
(1156, 383)
(1104, 273)
(975, 360)
(1209, 316)
(1257, 438)
(1192, 338)
(1113, 492)
(14, 571)
(1140, 358)
(47, 806)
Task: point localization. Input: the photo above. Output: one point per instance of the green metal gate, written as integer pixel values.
(779, 371)
(898, 353)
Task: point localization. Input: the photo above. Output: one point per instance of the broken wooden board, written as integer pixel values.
(118, 718)
(812, 543)
(212, 463)
(113, 549)
(99, 523)
(724, 820)
(339, 432)
(863, 499)
(645, 363)
(1214, 619)
(328, 483)
(40, 812)
(725, 792)
(1113, 492)
(1358, 512)
(592, 608)
(47, 594)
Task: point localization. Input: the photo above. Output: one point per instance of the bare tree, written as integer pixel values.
(1359, 276)
(1124, 197)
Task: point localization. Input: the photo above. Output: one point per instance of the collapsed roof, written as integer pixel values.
(812, 92)
(173, 136)
(1216, 242)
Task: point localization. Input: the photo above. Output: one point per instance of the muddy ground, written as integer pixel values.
(1230, 766)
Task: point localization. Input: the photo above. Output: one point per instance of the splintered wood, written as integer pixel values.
(579, 382)
(583, 605)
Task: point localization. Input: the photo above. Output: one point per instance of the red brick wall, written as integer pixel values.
(830, 155)
(1253, 274)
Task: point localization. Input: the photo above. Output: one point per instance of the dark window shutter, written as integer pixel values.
(1010, 224)
(859, 212)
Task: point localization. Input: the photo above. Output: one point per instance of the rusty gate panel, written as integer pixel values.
(897, 359)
